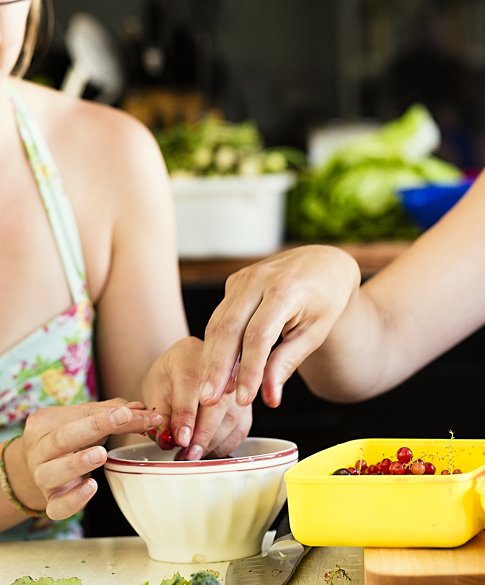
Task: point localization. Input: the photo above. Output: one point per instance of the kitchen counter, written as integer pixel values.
(371, 257)
(124, 561)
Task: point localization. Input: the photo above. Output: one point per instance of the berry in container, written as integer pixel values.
(433, 498)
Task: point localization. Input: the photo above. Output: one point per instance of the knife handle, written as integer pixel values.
(283, 523)
(283, 532)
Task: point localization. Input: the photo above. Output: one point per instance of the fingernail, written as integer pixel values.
(194, 452)
(242, 394)
(135, 404)
(121, 415)
(184, 435)
(207, 391)
(89, 487)
(154, 419)
(275, 398)
(95, 455)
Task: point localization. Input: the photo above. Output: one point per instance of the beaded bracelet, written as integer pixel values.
(7, 488)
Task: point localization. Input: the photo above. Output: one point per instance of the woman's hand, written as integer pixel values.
(296, 295)
(172, 387)
(61, 445)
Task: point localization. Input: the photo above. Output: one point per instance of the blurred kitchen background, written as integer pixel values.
(310, 76)
(294, 66)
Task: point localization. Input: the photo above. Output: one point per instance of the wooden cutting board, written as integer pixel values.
(464, 565)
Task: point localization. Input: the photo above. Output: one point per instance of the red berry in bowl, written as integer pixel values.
(445, 472)
(165, 440)
(429, 468)
(372, 469)
(162, 437)
(404, 455)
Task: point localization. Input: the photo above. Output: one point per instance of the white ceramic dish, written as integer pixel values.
(201, 511)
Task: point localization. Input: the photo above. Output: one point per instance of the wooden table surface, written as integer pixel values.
(371, 257)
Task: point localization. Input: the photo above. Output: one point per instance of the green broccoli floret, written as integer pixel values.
(204, 578)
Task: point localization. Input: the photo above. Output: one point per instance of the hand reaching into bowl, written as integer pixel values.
(255, 312)
(172, 387)
(297, 296)
(49, 464)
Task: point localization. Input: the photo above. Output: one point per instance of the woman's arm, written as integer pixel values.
(140, 313)
(428, 300)
(349, 342)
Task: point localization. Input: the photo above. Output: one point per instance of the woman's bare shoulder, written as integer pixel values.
(95, 144)
(78, 122)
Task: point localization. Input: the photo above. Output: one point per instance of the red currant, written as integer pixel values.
(403, 465)
(404, 455)
(397, 468)
(384, 466)
(418, 467)
(165, 440)
(341, 471)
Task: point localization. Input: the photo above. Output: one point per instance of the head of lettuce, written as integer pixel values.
(353, 195)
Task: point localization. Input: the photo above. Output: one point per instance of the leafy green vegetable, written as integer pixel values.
(204, 578)
(353, 195)
(46, 581)
(176, 579)
(214, 147)
(201, 578)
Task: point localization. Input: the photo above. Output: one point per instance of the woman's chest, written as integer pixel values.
(33, 284)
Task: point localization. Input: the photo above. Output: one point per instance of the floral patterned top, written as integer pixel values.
(53, 365)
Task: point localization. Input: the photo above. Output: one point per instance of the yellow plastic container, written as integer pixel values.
(389, 510)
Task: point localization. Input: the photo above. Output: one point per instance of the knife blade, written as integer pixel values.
(275, 568)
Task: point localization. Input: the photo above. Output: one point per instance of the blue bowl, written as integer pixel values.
(428, 203)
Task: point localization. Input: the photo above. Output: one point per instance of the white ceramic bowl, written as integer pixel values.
(201, 511)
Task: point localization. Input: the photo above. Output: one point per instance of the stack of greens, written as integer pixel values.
(213, 147)
(353, 196)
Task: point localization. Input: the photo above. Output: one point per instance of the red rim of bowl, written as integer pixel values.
(205, 462)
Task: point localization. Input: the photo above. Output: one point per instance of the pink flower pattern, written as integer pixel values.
(75, 358)
(53, 365)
